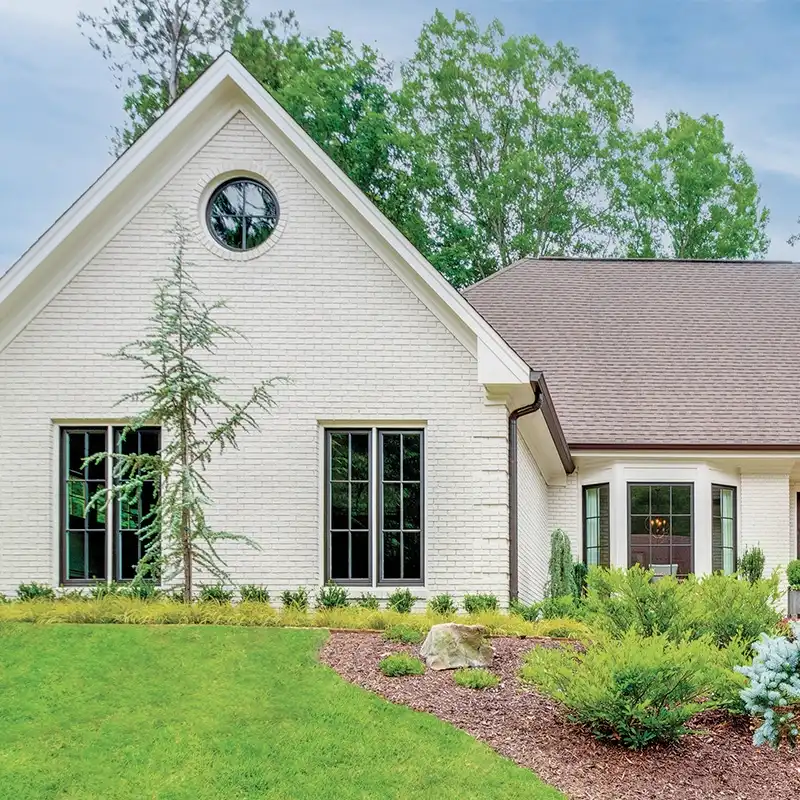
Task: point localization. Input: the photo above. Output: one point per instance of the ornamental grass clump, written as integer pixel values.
(296, 600)
(634, 690)
(773, 692)
(475, 678)
(398, 664)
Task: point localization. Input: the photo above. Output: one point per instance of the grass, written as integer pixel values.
(124, 610)
(172, 713)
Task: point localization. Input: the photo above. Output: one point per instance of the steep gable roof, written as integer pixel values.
(658, 353)
(225, 88)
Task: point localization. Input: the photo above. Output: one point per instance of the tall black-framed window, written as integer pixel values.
(374, 506)
(401, 528)
(131, 517)
(596, 526)
(661, 527)
(85, 555)
(723, 529)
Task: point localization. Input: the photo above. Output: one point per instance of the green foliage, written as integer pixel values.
(216, 593)
(401, 600)
(332, 596)
(398, 664)
(98, 713)
(773, 692)
(580, 573)
(751, 564)
(442, 604)
(251, 593)
(719, 606)
(550, 608)
(518, 140)
(368, 601)
(478, 603)
(561, 567)
(793, 573)
(564, 628)
(183, 398)
(634, 690)
(295, 600)
(403, 634)
(35, 591)
(104, 589)
(684, 193)
(475, 678)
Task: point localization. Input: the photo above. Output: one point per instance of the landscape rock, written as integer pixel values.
(453, 646)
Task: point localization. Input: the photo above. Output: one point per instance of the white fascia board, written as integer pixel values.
(537, 436)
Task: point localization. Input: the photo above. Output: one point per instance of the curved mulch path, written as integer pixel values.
(718, 762)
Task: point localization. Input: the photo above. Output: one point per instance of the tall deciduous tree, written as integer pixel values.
(521, 137)
(685, 193)
(182, 397)
(151, 46)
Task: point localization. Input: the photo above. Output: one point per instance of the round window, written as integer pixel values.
(242, 213)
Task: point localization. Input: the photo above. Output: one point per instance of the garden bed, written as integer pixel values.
(717, 761)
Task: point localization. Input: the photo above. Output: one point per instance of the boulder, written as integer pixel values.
(452, 646)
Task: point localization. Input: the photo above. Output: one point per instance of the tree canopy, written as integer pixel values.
(490, 147)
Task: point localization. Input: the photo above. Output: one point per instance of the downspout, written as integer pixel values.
(513, 506)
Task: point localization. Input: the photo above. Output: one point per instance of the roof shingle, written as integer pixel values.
(671, 353)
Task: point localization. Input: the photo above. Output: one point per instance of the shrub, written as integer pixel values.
(475, 678)
(369, 601)
(580, 571)
(73, 594)
(561, 569)
(634, 690)
(478, 603)
(773, 693)
(399, 664)
(141, 590)
(101, 590)
(215, 594)
(563, 629)
(793, 573)
(35, 591)
(442, 604)
(751, 564)
(402, 633)
(253, 594)
(333, 596)
(401, 600)
(295, 601)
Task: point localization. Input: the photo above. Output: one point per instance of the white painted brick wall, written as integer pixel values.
(318, 306)
(766, 518)
(532, 531)
(564, 507)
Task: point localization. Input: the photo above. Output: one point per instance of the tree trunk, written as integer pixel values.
(172, 79)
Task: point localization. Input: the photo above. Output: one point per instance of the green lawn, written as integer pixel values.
(172, 712)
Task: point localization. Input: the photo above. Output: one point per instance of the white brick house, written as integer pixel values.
(382, 354)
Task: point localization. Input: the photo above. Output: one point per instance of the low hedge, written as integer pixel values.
(133, 611)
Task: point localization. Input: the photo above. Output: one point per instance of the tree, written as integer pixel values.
(520, 137)
(183, 398)
(684, 193)
(560, 568)
(153, 46)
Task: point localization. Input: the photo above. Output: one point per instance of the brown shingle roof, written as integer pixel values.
(658, 352)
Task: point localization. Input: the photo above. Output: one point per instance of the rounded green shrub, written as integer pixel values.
(398, 664)
(403, 633)
(332, 596)
(751, 564)
(442, 604)
(368, 601)
(793, 573)
(401, 600)
(215, 594)
(475, 678)
(478, 603)
(253, 594)
(295, 600)
(35, 591)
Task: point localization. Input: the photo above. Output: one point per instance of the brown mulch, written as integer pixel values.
(717, 761)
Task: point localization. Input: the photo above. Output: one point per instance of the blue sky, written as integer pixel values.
(735, 58)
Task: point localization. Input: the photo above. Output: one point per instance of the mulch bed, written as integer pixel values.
(717, 761)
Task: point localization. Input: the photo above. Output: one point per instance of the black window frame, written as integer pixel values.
(601, 547)
(720, 487)
(111, 526)
(376, 500)
(383, 581)
(692, 514)
(243, 216)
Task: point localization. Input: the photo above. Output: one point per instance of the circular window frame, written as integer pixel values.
(224, 173)
(239, 180)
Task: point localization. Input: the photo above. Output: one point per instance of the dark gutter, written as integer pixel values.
(553, 424)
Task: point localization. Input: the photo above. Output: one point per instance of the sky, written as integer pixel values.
(734, 58)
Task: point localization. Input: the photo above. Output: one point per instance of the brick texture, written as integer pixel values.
(766, 518)
(533, 535)
(317, 305)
